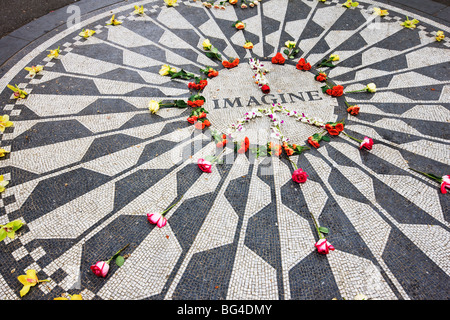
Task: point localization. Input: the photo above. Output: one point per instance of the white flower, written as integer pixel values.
(371, 87)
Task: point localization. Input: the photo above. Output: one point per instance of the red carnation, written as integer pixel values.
(303, 65)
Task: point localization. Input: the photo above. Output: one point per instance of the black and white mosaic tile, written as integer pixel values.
(88, 160)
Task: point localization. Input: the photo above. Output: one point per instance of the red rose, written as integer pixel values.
(333, 132)
(339, 127)
(366, 143)
(299, 176)
(265, 89)
(278, 59)
(206, 123)
(323, 246)
(204, 165)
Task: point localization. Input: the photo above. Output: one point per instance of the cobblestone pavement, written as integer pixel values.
(88, 160)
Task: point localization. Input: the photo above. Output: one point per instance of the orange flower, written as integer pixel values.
(289, 151)
(313, 142)
(353, 110)
(229, 65)
(199, 125)
(239, 25)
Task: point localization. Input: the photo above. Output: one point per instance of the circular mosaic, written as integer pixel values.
(86, 160)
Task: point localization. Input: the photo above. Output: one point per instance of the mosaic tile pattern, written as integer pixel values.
(88, 160)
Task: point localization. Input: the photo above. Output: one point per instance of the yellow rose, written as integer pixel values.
(166, 69)
(207, 44)
(289, 44)
(170, 3)
(153, 106)
(334, 57)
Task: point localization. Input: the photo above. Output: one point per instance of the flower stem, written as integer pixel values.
(348, 105)
(165, 211)
(426, 174)
(295, 166)
(355, 91)
(317, 226)
(117, 253)
(360, 141)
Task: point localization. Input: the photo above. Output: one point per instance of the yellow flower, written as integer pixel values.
(166, 69)
(380, 12)
(18, 93)
(3, 152)
(289, 44)
(114, 22)
(170, 3)
(232, 1)
(207, 44)
(72, 297)
(440, 35)
(86, 33)
(5, 123)
(153, 106)
(138, 10)
(350, 3)
(29, 280)
(410, 24)
(334, 57)
(3, 183)
(53, 53)
(248, 45)
(34, 70)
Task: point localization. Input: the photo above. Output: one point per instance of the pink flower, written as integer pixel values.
(366, 143)
(323, 246)
(157, 218)
(204, 165)
(445, 183)
(100, 269)
(299, 176)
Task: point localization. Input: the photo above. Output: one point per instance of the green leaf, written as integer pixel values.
(326, 138)
(120, 260)
(324, 89)
(291, 57)
(16, 224)
(323, 230)
(214, 50)
(286, 52)
(2, 234)
(295, 51)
